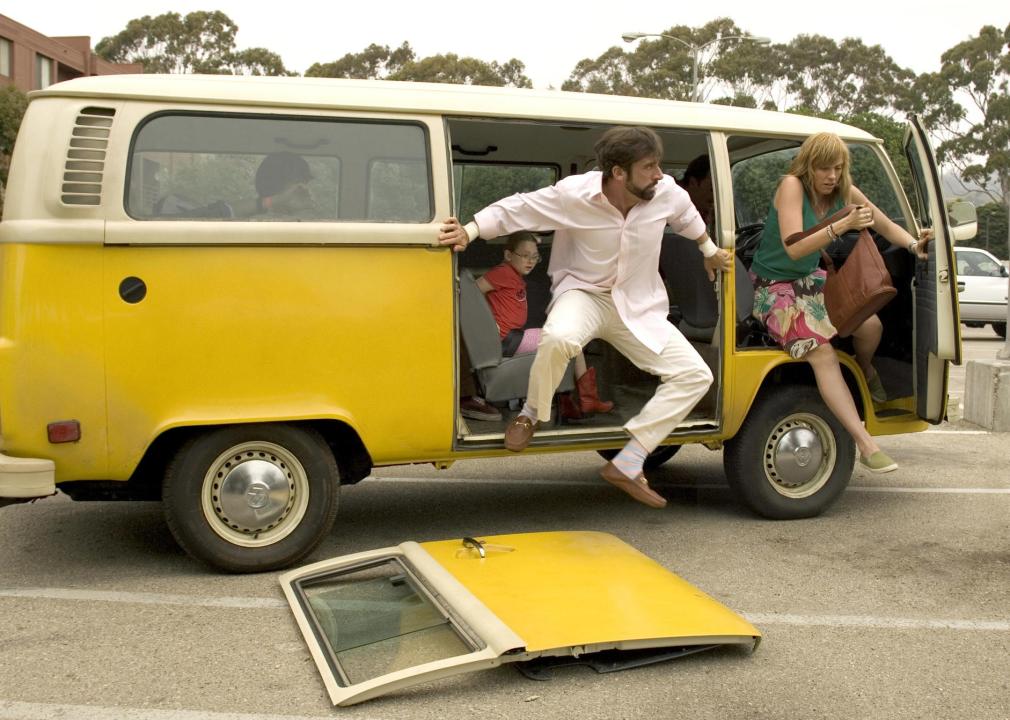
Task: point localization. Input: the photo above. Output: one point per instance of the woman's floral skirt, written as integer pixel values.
(794, 312)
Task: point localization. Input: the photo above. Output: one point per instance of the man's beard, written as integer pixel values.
(646, 193)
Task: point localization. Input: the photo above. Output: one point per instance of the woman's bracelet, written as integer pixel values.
(911, 248)
(832, 235)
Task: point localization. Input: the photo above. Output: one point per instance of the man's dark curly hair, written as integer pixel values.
(624, 146)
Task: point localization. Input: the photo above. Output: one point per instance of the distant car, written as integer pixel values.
(983, 298)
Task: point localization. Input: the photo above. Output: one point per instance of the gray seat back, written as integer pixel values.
(694, 293)
(501, 378)
(480, 331)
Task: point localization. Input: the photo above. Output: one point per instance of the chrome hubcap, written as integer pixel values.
(799, 455)
(255, 494)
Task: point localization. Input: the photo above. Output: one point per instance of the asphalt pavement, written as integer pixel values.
(893, 604)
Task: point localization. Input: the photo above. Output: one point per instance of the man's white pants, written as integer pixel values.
(577, 317)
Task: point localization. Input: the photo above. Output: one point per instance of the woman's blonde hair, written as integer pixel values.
(821, 151)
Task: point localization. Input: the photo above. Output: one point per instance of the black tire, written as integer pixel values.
(242, 517)
(656, 458)
(791, 458)
(1000, 329)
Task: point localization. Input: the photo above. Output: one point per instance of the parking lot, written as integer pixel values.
(892, 605)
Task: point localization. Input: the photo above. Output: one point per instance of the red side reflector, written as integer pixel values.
(64, 431)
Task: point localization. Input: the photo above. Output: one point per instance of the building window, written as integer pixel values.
(43, 72)
(5, 57)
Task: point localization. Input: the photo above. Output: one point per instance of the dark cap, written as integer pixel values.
(279, 171)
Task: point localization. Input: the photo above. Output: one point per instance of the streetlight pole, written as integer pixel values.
(695, 50)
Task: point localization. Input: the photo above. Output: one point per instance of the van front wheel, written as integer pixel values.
(251, 498)
(791, 458)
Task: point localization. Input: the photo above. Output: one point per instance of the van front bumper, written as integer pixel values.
(26, 477)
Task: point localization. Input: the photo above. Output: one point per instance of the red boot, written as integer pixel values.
(567, 408)
(589, 396)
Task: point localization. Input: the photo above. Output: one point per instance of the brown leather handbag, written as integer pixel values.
(861, 287)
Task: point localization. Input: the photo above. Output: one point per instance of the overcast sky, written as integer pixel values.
(549, 37)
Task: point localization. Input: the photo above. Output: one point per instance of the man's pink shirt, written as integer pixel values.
(597, 249)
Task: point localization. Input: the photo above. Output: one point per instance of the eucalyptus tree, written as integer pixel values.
(200, 42)
(380, 62)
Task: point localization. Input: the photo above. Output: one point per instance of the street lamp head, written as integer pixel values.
(632, 37)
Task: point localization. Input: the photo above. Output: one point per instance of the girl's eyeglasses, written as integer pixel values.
(535, 257)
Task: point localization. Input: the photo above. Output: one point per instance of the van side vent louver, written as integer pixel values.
(83, 172)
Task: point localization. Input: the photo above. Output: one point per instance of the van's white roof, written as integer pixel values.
(458, 100)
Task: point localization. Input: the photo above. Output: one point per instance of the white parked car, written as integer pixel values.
(982, 288)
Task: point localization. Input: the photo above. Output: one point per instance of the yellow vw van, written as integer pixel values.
(225, 293)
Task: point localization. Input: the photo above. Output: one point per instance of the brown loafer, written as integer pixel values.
(637, 488)
(518, 433)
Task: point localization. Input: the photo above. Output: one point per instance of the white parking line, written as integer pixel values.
(929, 490)
(703, 486)
(954, 432)
(264, 603)
(869, 621)
(12, 710)
(144, 598)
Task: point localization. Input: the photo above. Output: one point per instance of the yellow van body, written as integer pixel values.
(141, 348)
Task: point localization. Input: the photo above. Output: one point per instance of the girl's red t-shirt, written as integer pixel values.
(508, 299)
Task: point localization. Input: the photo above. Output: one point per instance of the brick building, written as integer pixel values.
(31, 61)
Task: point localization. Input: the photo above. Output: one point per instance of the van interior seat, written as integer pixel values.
(501, 378)
(693, 294)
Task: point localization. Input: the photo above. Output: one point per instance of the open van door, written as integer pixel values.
(383, 620)
(937, 330)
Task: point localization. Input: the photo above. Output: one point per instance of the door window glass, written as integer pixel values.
(378, 619)
(975, 263)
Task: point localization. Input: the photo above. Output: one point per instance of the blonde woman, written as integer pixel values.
(789, 283)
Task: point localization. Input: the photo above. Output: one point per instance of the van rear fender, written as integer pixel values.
(353, 459)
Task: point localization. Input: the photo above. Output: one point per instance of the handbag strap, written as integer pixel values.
(797, 236)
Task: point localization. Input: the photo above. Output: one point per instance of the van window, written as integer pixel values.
(480, 184)
(754, 183)
(398, 190)
(756, 178)
(869, 175)
(226, 167)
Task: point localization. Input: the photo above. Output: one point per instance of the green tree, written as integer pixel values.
(660, 67)
(12, 109)
(844, 79)
(200, 42)
(375, 62)
(379, 62)
(992, 230)
(754, 75)
(968, 102)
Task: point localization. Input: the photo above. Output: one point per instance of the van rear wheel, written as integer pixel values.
(251, 498)
(791, 458)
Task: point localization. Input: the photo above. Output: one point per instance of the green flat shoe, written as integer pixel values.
(878, 462)
(876, 388)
